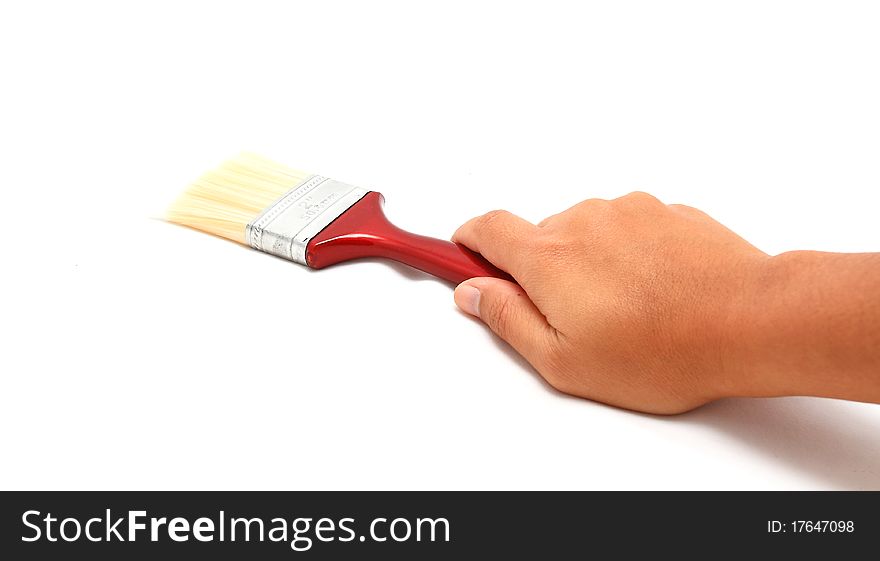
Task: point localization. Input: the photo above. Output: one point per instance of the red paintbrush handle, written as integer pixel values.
(364, 231)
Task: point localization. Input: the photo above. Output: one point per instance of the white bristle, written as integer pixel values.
(224, 200)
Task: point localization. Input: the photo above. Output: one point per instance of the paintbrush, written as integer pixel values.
(312, 220)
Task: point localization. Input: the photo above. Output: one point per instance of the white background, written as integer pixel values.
(138, 354)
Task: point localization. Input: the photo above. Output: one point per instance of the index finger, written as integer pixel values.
(500, 237)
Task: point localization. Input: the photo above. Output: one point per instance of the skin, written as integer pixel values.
(659, 308)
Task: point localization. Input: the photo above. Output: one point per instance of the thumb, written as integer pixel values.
(509, 312)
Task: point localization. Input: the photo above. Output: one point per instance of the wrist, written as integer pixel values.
(759, 327)
(772, 328)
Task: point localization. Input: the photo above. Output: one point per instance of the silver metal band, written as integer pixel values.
(286, 226)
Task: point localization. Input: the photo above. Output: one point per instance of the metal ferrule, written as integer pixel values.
(286, 226)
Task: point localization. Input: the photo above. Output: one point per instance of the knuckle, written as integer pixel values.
(593, 205)
(556, 221)
(641, 197)
(593, 211)
(491, 218)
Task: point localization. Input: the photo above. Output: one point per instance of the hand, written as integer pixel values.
(660, 308)
(630, 302)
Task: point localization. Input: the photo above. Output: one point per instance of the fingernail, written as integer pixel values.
(467, 298)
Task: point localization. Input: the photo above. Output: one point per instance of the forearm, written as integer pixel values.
(811, 326)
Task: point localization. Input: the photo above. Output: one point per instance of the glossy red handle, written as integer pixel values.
(364, 231)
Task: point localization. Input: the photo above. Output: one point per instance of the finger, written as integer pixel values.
(500, 237)
(507, 310)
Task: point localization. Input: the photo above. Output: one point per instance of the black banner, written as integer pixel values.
(433, 525)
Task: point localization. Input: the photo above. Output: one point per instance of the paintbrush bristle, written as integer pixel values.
(223, 201)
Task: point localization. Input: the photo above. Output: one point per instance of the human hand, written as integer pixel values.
(630, 302)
